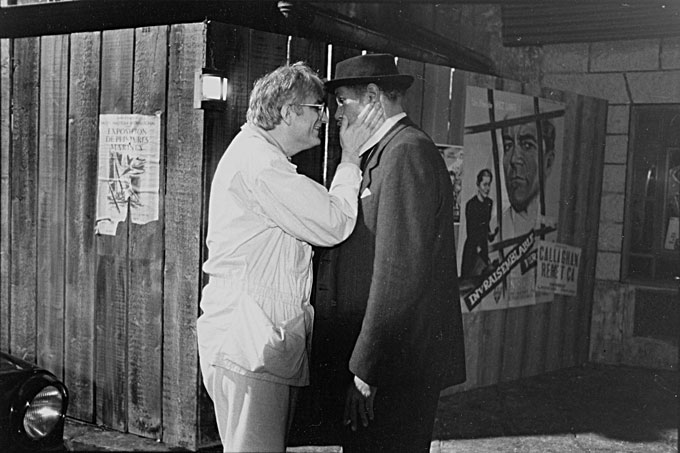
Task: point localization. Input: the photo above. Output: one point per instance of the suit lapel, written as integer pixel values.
(376, 155)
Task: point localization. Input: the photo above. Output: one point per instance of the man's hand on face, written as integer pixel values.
(359, 403)
(352, 136)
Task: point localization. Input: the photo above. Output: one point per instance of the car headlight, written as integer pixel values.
(38, 411)
(43, 412)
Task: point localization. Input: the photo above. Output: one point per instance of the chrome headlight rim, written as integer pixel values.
(22, 403)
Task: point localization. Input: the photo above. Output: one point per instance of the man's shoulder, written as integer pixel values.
(407, 134)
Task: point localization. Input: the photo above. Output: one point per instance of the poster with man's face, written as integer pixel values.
(510, 194)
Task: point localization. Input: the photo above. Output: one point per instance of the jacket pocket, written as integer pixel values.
(255, 343)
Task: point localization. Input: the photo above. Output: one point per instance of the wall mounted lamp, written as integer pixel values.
(210, 89)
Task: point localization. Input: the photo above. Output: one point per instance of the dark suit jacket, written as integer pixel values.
(387, 298)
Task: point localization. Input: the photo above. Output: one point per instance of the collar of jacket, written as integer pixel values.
(374, 158)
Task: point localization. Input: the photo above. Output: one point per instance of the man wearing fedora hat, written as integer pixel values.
(389, 332)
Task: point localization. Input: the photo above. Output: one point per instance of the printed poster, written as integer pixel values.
(557, 269)
(510, 194)
(128, 171)
(453, 157)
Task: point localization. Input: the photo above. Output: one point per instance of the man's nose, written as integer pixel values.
(515, 155)
(324, 116)
(338, 113)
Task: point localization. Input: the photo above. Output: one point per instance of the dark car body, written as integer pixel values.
(33, 405)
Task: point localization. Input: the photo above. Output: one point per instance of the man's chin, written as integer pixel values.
(519, 203)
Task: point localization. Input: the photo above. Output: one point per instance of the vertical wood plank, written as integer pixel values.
(413, 101)
(145, 249)
(436, 102)
(182, 236)
(215, 143)
(81, 183)
(513, 342)
(235, 64)
(578, 145)
(590, 217)
(491, 349)
(5, 250)
(569, 187)
(112, 251)
(267, 52)
(226, 50)
(457, 108)
(314, 53)
(24, 197)
(333, 151)
(52, 201)
(515, 318)
(586, 225)
(538, 317)
(535, 340)
(473, 334)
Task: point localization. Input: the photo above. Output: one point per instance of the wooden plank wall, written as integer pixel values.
(113, 316)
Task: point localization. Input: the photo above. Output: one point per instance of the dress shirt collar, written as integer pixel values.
(381, 132)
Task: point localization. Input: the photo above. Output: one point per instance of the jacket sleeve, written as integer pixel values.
(407, 204)
(305, 209)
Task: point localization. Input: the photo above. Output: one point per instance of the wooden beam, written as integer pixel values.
(38, 19)
(307, 21)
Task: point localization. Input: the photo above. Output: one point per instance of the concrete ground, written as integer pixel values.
(585, 409)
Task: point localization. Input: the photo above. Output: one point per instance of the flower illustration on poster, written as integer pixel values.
(128, 170)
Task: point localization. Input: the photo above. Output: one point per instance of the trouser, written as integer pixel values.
(252, 415)
(404, 418)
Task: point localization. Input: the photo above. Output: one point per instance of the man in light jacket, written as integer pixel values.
(255, 331)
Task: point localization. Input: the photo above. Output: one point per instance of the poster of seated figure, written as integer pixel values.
(510, 196)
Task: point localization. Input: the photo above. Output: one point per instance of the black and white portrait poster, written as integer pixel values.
(510, 196)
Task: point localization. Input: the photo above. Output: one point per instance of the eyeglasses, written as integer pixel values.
(321, 109)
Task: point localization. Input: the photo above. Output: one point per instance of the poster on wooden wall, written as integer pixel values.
(128, 170)
(453, 157)
(510, 196)
(557, 267)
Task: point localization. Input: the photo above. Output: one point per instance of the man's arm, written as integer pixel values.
(405, 231)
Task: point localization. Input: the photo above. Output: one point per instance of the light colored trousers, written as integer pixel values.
(252, 415)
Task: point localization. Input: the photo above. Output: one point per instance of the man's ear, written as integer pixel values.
(373, 92)
(286, 113)
(548, 161)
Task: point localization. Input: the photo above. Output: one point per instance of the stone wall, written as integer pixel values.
(625, 73)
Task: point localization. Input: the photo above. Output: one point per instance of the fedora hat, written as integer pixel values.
(369, 68)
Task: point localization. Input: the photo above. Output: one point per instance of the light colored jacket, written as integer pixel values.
(263, 216)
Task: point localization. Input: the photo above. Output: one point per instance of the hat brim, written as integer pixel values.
(402, 81)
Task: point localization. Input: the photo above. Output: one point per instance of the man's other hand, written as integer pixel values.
(359, 403)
